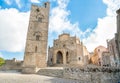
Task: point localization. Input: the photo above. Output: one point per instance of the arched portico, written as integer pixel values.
(59, 57)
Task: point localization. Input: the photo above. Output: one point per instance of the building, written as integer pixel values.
(106, 59)
(68, 50)
(112, 48)
(117, 35)
(37, 39)
(97, 56)
(113, 45)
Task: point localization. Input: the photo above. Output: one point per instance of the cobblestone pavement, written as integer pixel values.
(31, 78)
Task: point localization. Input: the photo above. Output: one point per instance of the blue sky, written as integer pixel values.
(93, 21)
(86, 12)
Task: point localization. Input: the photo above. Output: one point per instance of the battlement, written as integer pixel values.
(44, 5)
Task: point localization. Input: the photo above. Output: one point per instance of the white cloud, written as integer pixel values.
(35, 1)
(13, 29)
(8, 2)
(112, 5)
(59, 21)
(14, 24)
(106, 27)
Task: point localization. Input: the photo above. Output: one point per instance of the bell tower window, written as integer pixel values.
(39, 19)
(45, 5)
(37, 10)
(37, 37)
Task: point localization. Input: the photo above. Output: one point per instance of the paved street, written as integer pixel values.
(31, 78)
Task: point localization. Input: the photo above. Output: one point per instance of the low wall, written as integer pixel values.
(11, 65)
(93, 75)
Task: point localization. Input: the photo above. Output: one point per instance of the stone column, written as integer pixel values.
(54, 58)
(64, 57)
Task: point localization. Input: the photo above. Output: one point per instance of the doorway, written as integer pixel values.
(59, 57)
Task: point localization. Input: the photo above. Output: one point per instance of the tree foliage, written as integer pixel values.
(2, 61)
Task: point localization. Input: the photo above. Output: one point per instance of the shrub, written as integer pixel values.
(2, 61)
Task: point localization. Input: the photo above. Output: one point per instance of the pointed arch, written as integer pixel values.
(59, 57)
(37, 35)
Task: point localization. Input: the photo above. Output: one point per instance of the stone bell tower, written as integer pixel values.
(37, 38)
(117, 35)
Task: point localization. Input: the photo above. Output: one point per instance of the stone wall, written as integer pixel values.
(93, 74)
(12, 65)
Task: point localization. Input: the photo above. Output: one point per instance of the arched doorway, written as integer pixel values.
(59, 57)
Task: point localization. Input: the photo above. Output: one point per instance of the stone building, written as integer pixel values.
(37, 38)
(68, 50)
(117, 35)
(97, 56)
(112, 48)
(106, 59)
(113, 45)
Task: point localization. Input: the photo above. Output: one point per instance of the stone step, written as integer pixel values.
(58, 65)
(51, 72)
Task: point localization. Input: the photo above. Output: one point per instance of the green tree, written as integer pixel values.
(2, 61)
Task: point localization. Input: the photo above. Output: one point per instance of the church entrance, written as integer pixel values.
(59, 57)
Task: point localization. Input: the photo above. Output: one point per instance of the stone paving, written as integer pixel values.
(15, 77)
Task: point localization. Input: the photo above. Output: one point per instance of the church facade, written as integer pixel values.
(68, 50)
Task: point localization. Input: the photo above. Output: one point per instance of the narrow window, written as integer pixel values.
(51, 60)
(37, 37)
(64, 45)
(45, 5)
(37, 10)
(55, 44)
(39, 19)
(98, 50)
(36, 49)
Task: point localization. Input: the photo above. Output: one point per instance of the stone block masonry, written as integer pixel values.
(37, 37)
(54, 72)
(89, 74)
(93, 75)
(12, 65)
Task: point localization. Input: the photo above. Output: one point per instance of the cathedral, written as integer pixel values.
(68, 50)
